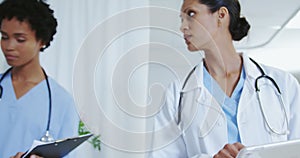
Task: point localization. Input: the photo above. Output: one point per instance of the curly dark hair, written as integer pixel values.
(37, 13)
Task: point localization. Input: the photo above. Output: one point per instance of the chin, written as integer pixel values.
(192, 48)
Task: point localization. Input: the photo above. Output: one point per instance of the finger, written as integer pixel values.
(231, 149)
(35, 156)
(224, 153)
(239, 146)
(18, 155)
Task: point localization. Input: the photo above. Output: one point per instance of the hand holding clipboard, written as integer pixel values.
(57, 149)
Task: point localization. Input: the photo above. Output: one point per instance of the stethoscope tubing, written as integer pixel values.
(50, 100)
(2, 77)
(49, 95)
(257, 90)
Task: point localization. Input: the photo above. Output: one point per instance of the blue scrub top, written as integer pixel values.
(25, 119)
(229, 104)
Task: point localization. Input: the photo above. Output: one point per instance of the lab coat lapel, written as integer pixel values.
(199, 104)
(248, 93)
(201, 111)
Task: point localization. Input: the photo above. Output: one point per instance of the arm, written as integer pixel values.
(71, 124)
(166, 141)
(294, 103)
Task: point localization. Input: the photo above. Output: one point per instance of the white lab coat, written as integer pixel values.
(203, 128)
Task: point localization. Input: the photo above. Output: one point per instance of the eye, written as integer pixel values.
(191, 13)
(3, 37)
(21, 40)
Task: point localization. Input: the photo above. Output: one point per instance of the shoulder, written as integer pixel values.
(171, 96)
(287, 82)
(60, 94)
(279, 74)
(173, 89)
(175, 85)
(56, 87)
(276, 73)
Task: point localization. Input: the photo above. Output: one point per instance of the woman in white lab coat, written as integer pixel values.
(219, 112)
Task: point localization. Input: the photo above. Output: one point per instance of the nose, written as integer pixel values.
(8, 45)
(183, 26)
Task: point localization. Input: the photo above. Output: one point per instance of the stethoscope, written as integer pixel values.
(47, 137)
(257, 90)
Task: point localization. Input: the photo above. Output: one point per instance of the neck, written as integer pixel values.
(223, 61)
(28, 73)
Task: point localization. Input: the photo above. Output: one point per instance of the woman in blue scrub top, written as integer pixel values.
(27, 28)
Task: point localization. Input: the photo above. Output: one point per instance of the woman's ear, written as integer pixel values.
(223, 16)
(222, 12)
(42, 44)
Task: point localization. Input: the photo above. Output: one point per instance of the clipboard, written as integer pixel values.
(286, 149)
(58, 148)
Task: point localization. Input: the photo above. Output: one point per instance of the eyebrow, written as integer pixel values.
(14, 34)
(185, 10)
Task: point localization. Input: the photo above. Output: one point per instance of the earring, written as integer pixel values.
(219, 23)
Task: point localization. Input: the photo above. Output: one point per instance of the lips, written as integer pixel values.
(10, 57)
(187, 38)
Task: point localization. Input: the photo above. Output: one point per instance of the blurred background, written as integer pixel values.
(274, 39)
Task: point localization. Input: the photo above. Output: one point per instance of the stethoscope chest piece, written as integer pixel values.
(47, 137)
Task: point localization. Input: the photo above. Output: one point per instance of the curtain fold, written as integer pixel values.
(76, 21)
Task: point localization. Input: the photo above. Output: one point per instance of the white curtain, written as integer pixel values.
(78, 20)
